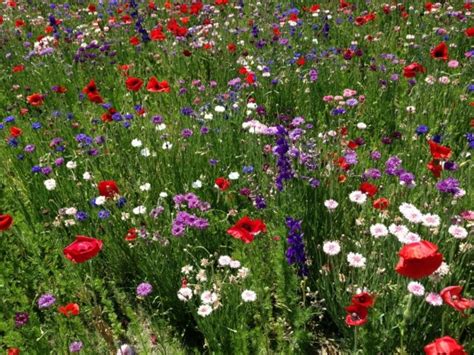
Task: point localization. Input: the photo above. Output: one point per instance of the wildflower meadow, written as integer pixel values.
(236, 177)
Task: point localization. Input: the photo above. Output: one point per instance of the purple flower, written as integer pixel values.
(144, 289)
(449, 185)
(75, 346)
(21, 318)
(295, 254)
(46, 301)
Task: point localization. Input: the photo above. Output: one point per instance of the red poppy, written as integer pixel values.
(222, 2)
(6, 222)
(452, 296)
(90, 88)
(381, 203)
(368, 188)
(444, 346)
(435, 167)
(13, 351)
(469, 32)
(343, 4)
(19, 23)
(412, 69)
(108, 188)
(91, 8)
(132, 234)
(440, 51)
(429, 6)
(156, 86)
(157, 34)
(301, 61)
(83, 249)
(35, 99)
(222, 183)
(15, 132)
(71, 309)
(356, 315)
(95, 97)
(246, 229)
(418, 260)
(18, 68)
(363, 299)
(134, 41)
(438, 151)
(231, 47)
(133, 84)
(314, 8)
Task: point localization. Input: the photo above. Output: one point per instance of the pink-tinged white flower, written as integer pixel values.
(378, 230)
(204, 310)
(224, 260)
(331, 247)
(453, 64)
(410, 237)
(356, 260)
(201, 275)
(331, 204)
(358, 197)
(186, 269)
(208, 297)
(243, 272)
(234, 264)
(457, 232)
(50, 184)
(443, 270)
(398, 230)
(434, 299)
(185, 294)
(415, 288)
(467, 215)
(430, 220)
(248, 296)
(348, 93)
(136, 143)
(460, 193)
(411, 213)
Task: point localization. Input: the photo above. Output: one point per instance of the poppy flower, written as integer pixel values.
(435, 167)
(83, 249)
(440, 51)
(469, 32)
(445, 346)
(356, 315)
(13, 351)
(133, 84)
(108, 188)
(363, 299)
(368, 188)
(451, 295)
(15, 132)
(411, 70)
(222, 183)
(71, 309)
(18, 68)
(90, 88)
(95, 97)
(132, 234)
(439, 151)
(156, 86)
(418, 260)
(381, 203)
(6, 222)
(246, 229)
(35, 99)
(134, 41)
(157, 34)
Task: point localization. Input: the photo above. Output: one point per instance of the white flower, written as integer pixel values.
(167, 145)
(430, 220)
(410, 237)
(219, 108)
(358, 197)
(411, 109)
(361, 125)
(243, 272)
(208, 116)
(434, 299)
(145, 187)
(249, 296)
(443, 269)
(125, 349)
(160, 127)
(331, 204)
(356, 260)
(224, 260)
(201, 275)
(87, 175)
(204, 310)
(197, 184)
(186, 269)
(331, 247)
(378, 230)
(185, 294)
(71, 165)
(234, 175)
(208, 297)
(234, 264)
(139, 210)
(136, 143)
(145, 152)
(252, 105)
(457, 232)
(99, 201)
(50, 184)
(163, 194)
(411, 213)
(416, 288)
(125, 216)
(398, 230)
